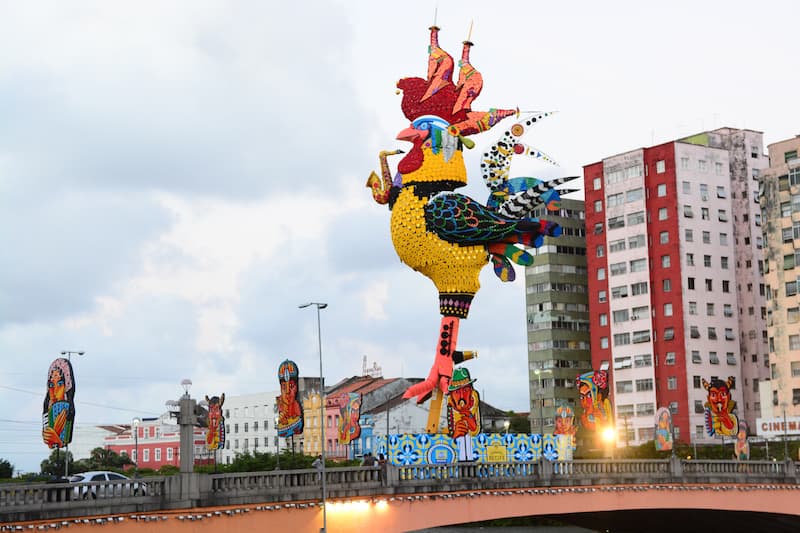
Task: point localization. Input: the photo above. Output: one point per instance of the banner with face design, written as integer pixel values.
(58, 410)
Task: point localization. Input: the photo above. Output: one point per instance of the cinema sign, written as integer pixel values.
(774, 427)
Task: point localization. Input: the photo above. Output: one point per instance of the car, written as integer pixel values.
(114, 485)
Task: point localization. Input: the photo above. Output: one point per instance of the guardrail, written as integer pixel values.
(20, 502)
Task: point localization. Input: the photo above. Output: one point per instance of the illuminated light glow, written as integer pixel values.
(609, 434)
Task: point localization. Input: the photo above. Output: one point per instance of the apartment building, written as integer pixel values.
(673, 250)
(556, 298)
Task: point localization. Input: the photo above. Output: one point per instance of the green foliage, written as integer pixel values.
(168, 470)
(54, 465)
(6, 469)
(101, 459)
(519, 423)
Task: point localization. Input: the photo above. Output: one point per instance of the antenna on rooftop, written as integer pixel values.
(374, 372)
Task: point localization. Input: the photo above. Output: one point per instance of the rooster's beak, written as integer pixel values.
(411, 134)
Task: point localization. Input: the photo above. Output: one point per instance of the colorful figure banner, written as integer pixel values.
(663, 434)
(593, 392)
(349, 414)
(565, 424)
(463, 412)
(58, 411)
(720, 418)
(215, 432)
(290, 411)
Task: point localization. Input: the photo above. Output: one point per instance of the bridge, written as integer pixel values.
(405, 498)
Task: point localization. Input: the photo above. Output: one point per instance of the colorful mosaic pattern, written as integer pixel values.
(58, 410)
(423, 449)
(215, 432)
(290, 411)
(593, 393)
(446, 236)
(349, 412)
(663, 434)
(719, 409)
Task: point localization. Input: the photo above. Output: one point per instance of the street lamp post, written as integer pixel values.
(69, 354)
(785, 434)
(319, 306)
(135, 424)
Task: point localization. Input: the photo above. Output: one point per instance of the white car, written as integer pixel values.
(112, 487)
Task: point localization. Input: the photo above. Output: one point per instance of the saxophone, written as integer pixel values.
(381, 187)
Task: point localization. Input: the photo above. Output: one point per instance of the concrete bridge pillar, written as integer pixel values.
(676, 467)
(545, 471)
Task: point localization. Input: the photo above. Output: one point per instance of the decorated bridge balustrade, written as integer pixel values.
(19, 502)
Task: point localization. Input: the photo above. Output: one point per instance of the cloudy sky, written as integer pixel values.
(176, 177)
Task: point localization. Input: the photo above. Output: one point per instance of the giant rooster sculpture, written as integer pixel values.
(446, 236)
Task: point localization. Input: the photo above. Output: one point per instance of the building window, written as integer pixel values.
(704, 213)
(158, 454)
(672, 383)
(634, 195)
(692, 308)
(665, 261)
(726, 286)
(637, 265)
(603, 342)
(702, 165)
(689, 259)
(170, 453)
(620, 315)
(616, 222)
(709, 309)
(246, 427)
(603, 319)
(723, 263)
(723, 239)
(696, 359)
(662, 213)
(669, 358)
(687, 211)
(637, 241)
(668, 309)
(614, 200)
(706, 237)
(794, 342)
(598, 206)
(622, 339)
(643, 360)
(709, 284)
(601, 273)
(661, 190)
(730, 358)
(660, 167)
(712, 333)
(664, 237)
(601, 296)
(666, 285)
(644, 385)
(600, 251)
(694, 332)
(641, 336)
(636, 218)
(624, 386)
(639, 288)
(722, 215)
(596, 183)
(707, 261)
(684, 163)
(146, 455)
(712, 358)
(621, 363)
(617, 269)
(690, 283)
(669, 334)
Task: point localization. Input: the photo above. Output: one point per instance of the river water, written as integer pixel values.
(509, 529)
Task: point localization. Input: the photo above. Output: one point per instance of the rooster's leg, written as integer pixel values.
(442, 370)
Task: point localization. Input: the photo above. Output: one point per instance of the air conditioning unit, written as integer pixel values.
(635, 317)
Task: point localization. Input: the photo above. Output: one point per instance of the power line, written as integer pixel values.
(85, 403)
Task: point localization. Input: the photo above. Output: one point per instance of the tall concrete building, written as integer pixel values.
(673, 251)
(780, 205)
(558, 316)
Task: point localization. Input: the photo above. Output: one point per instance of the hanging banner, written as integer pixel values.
(215, 433)
(719, 413)
(290, 411)
(463, 412)
(663, 434)
(741, 449)
(593, 393)
(58, 411)
(349, 414)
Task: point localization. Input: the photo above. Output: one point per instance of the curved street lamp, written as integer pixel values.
(320, 305)
(69, 354)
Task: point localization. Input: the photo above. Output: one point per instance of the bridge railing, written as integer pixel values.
(42, 500)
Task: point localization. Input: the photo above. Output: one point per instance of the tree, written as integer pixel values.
(6, 469)
(54, 465)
